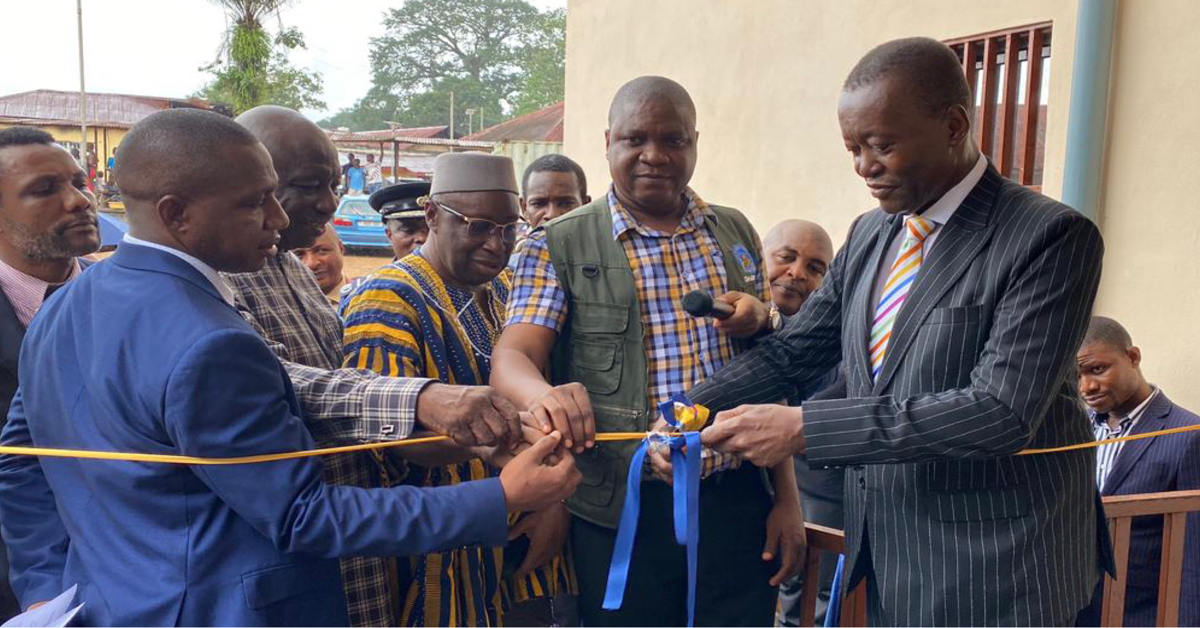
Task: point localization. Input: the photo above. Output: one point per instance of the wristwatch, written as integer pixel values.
(776, 318)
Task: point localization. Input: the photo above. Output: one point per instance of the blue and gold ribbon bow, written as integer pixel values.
(685, 460)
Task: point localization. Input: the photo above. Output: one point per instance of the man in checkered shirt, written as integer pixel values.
(602, 314)
(344, 406)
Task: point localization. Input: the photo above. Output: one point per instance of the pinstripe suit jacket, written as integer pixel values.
(981, 365)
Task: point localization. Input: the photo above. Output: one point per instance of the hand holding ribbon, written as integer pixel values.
(685, 457)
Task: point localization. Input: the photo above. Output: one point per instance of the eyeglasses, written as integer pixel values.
(481, 228)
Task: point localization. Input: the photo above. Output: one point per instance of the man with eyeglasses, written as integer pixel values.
(436, 313)
(344, 406)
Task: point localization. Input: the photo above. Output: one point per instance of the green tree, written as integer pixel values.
(253, 67)
(545, 65)
(489, 53)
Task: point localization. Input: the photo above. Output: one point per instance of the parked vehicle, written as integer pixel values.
(359, 225)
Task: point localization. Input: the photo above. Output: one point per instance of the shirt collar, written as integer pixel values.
(1132, 417)
(697, 212)
(13, 279)
(208, 271)
(941, 211)
(27, 293)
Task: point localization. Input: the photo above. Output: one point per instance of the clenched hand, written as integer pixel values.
(762, 434)
(533, 480)
(472, 416)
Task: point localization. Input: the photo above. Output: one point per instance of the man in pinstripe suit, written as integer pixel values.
(1123, 403)
(978, 291)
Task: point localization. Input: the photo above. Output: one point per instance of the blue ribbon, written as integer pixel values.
(686, 476)
(833, 611)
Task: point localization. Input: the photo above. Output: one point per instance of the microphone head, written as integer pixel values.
(698, 303)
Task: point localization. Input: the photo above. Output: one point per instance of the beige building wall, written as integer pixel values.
(1150, 216)
(766, 74)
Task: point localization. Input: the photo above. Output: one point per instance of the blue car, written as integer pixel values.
(359, 225)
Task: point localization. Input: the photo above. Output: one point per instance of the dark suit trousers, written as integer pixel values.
(732, 588)
(821, 511)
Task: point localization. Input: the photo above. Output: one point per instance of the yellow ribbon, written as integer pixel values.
(291, 455)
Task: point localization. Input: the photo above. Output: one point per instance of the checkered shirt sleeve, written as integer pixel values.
(536, 297)
(351, 406)
(713, 461)
(339, 406)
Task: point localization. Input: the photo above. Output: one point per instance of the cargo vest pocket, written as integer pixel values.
(597, 334)
(599, 468)
(595, 317)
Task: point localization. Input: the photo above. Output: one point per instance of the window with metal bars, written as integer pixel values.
(1010, 97)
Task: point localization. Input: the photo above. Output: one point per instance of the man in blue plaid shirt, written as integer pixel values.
(602, 314)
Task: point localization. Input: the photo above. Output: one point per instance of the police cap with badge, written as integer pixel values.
(400, 201)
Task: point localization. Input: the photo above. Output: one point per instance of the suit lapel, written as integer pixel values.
(12, 332)
(1152, 420)
(864, 294)
(960, 240)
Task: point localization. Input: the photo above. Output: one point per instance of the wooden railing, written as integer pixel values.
(854, 603)
(1120, 510)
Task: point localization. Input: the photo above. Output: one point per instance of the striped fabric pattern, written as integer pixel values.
(981, 365)
(895, 291)
(1106, 455)
(404, 321)
(341, 406)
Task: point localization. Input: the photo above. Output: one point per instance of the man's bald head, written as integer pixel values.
(794, 231)
(307, 165)
(177, 152)
(798, 254)
(652, 88)
(200, 183)
(287, 134)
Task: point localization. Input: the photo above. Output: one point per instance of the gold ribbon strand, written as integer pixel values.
(311, 453)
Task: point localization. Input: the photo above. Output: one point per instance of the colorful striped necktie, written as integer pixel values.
(895, 291)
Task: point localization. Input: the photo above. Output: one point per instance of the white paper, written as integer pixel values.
(57, 612)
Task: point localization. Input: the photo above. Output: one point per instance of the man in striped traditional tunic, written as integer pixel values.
(436, 313)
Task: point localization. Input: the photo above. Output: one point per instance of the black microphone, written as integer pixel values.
(699, 303)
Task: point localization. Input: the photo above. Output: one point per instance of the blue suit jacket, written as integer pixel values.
(1155, 465)
(140, 354)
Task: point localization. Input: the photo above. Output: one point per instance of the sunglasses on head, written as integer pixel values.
(481, 228)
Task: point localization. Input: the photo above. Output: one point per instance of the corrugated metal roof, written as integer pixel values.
(386, 135)
(118, 110)
(543, 125)
(408, 138)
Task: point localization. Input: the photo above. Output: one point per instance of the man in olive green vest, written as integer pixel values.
(596, 305)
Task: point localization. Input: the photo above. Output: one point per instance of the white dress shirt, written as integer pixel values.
(208, 271)
(939, 214)
(1106, 455)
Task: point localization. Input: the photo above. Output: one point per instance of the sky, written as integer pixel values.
(156, 47)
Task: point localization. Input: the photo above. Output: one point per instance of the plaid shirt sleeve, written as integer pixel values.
(713, 461)
(536, 296)
(349, 406)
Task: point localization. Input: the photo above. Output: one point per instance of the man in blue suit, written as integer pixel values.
(1123, 403)
(146, 353)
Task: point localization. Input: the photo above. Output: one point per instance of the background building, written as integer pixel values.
(766, 75)
(109, 116)
(525, 138)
